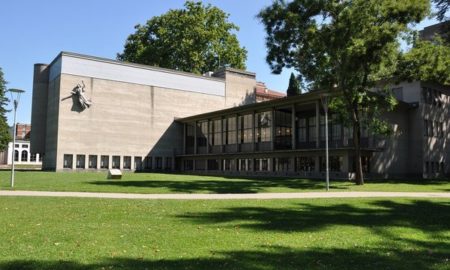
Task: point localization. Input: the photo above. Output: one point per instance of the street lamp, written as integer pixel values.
(15, 97)
(325, 100)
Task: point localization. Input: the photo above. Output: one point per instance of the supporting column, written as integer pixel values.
(253, 132)
(272, 130)
(207, 135)
(184, 138)
(317, 124)
(237, 130)
(195, 138)
(121, 160)
(293, 128)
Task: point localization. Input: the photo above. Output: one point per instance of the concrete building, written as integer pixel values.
(94, 113)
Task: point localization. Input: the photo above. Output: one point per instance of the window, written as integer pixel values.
(25, 145)
(16, 155)
(138, 163)
(190, 138)
(312, 129)
(228, 164)
(282, 164)
(202, 133)
(104, 162)
(80, 161)
(245, 128)
(336, 128)
(32, 157)
(305, 164)
(92, 162)
(231, 130)
(262, 164)
(263, 123)
(322, 127)
(283, 124)
(213, 164)
(301, 130)
(335, 163)
(168, 165)
(24, 156)
(215, 132)
(16, 145)
(116, 162)
(127, 163)
(158, 163)
(67, 162)
(188, 165)
(245, 164)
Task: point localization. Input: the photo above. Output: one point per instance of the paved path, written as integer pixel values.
(259, 196)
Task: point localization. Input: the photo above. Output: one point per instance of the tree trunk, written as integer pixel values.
(359, 178)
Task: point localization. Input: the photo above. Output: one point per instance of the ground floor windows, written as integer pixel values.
(229, 164)
(104, 162)
(213, 164)
(245, 165)
(282, 164)
(335, 163)
(434, 167)
(127, 163)
(67, 161)
(262, 164)
(305, 164)
(92, 162)
(138, 163)
(168, 165)
(24, 156)
(115, 162)
(158, 163)
(32, 157)
(188, 165)
(80, 161)
(16, 155)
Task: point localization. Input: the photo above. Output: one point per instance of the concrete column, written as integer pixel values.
(272, 130)
(184, 138)
(317, 124)
(207, 135)
(195, 138)
(74, 161)
(253, 132)
(237, 125)
(98, 161)
(293, 128)
(121, 160)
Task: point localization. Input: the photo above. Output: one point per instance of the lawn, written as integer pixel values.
(176, 183)
(70, 233)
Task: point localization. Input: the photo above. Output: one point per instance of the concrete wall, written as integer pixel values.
(133, 108)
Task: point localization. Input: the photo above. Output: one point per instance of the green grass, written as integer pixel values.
(176, 183)
(70, 233)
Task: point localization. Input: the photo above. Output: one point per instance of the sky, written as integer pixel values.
(36, 31)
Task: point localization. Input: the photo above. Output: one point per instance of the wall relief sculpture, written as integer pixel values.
(78, 92)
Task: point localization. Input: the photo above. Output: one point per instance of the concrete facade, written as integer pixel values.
(133, 109)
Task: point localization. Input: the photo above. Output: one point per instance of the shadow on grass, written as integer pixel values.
(270, 258)
(378, 216)
(232, 185)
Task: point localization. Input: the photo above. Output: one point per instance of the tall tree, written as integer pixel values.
(343, 47)
(195, 39)
(442, 7)
(294, 87)
(5, 136)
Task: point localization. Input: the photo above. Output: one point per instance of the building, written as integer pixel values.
(22, 153)
(262, 93)
(95, 113)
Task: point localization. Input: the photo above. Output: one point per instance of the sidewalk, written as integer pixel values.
(242, 196)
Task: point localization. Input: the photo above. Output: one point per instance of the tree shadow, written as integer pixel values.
(241, 185)
(430, 217)
(270, 258)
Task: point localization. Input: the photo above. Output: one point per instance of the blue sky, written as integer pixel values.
(36, 31)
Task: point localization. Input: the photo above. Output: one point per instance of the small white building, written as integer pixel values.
(22, 154)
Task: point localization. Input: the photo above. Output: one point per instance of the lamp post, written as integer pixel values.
(325, 100)
(15, 97)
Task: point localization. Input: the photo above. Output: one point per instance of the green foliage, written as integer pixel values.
(195, 39)
(426, 61)
(442, 7)
(5, 136)
(344, 47)
(294, 87)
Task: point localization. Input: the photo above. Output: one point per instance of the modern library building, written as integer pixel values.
(91, 113)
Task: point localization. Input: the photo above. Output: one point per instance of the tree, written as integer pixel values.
(195, 39)
(344, 47)
(442, 7)
(5, 136)
(294, 87)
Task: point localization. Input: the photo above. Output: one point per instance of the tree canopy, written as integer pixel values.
(345, 47)
(5, 136)
(294, 86)
(198, 39)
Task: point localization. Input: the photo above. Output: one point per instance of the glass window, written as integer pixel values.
(306, 164)
(67, 162)
(127, 162)
(262, 164)
(168, 165)
(202, 133)
(104, 162)
(16, 155)
(335, 163)
(148, 163)
(282, 164)
(80, 161)
(213, 164)
(336, 128)
(24, 145)
(312, 129)
(263, 124)
(92, 162)
(245, 128)
(188, 165)
(116, 162)
(158, 163)
(138, 163)
(283, 124)
(215, 132)
(231, 130)
(24, 156)
(32, 157)
(301, 130)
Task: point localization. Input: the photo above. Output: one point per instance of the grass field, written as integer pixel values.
(174, 183)
(69, 233)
